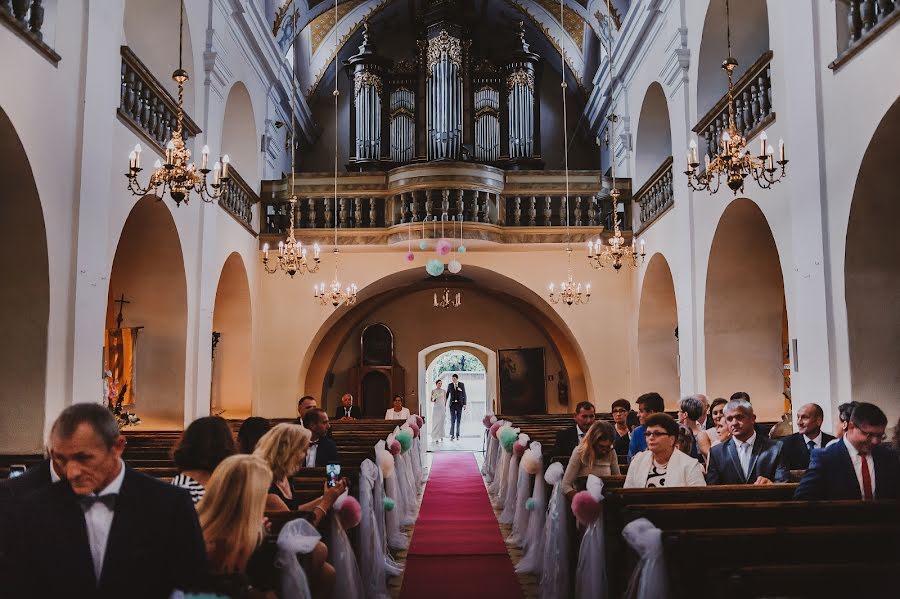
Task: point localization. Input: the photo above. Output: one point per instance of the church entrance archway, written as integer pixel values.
(149, 352)
(24, 299)
(231, 389)
(744, 313)
(872, 272)
(658, 332)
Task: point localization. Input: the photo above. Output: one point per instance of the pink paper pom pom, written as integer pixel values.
(486, 421)
(586, 508)
(518, 449)
(350, 513)
(443, 247)
(410, 257)
(394, 447)
(415, 428)
(494, 428)
(419, 421)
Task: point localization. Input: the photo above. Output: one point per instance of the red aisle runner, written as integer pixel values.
(456, 550)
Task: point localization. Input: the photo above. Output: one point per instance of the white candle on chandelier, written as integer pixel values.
(588, 289)
(726, 141)
(633, 246)
(781, 150)
(763, 142)
(316, 250)
(281, 248)
(551, 288)
(643, 245)
(132, 160)
(266, 250)
(170, 152)
(204, 162)
(692, 156)
(217, 173)
(225, 161)
(770, 157)
(707, 161)
(157, 165)
(590, 249)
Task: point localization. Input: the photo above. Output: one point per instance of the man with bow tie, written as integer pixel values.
(322, 448)
(105, 530)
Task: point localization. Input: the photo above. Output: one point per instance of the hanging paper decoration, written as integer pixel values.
(461, 249)
(410, 257)
(434, 267)
(443, 247)
(454, 266)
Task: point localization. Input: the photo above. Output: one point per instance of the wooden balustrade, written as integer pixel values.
(656, 195)
(146, 106)
(239, 198)
(865, 21)
(26, 19)
(752, 106)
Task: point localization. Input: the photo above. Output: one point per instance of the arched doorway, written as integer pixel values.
(658, 332)
(872, 272)
(470, 364)
(24, 299)
(239, 139)
(744, 311)
(148, 270)
(231, 390)
(653, 144)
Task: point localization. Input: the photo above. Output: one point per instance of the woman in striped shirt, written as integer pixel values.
(203, 445)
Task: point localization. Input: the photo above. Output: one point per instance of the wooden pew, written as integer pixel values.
(804, 580)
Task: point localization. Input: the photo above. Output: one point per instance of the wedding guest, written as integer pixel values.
(107, 530)
(347, 411)
(251, 431)
(283, 449)
(796, 448)
(632, 421)
(845, 412)
(648, 404)
(322, 449)
(685, 442)
(690, 409)
(663, 465)
(397, 411)
(620, 409)
(748, 457)
(202, 446)
(711, 437)
(594, 455)
(305, 404)
(704, 421)
(232, 518)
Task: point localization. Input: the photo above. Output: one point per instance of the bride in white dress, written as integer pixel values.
(438, 412)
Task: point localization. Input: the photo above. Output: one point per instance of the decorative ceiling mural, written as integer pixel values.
(321, 26)
(573, 24)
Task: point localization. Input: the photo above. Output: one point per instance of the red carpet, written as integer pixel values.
(456, 550)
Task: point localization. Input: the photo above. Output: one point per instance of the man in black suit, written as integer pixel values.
(347, 411)
(857, 466)
(322, 449)
(456, 399)
(747, 457)
(105, 531)
(304, 405)
(568, 439)
(12, 493)
(795, 449)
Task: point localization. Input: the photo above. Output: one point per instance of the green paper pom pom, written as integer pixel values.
(530, 504)
(405, 438)
(423, 245)
(508, 437)
(389, 504)
(461, 249)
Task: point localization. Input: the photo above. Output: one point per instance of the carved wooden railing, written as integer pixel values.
(752, 106)
(866, 20)
(146, 106)
(26, 19)
(504, 207)
(238, 199)
(656, 195)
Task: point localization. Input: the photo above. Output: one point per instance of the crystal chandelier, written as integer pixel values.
(570, 292)
(178, 174)
(335, 294)
(734, 162)
(445, 301)
(291, 253)
(617, 252)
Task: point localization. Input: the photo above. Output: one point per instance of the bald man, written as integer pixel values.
(797, 448)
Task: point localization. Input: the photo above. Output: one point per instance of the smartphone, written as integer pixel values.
(16, 470)
(333, 474)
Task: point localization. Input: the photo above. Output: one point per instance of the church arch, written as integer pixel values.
(231, 386)
(239, 138)
(872, 272)
(148, 269)
(744, 309)
(24, 299)
(658, 332)
(654, 135)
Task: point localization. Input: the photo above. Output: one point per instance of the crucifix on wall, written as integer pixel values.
(120, 359)
(121, 301)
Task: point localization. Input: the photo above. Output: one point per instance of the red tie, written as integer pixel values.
(867, 478)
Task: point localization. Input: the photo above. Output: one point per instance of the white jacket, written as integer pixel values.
(681, 471)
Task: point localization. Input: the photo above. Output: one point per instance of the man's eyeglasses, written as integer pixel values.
(655, 434)
(877, 436)
(620, 411)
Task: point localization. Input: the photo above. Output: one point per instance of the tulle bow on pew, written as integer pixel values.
(590, 576)
(371, 543)
(649, 579)
(555, 572)
(513, 484)
(296, 537)
(536, 506)
(348, 582)
(530, 465)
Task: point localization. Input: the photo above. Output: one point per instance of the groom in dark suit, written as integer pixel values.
(456, 399)
(747, 457)
(857, 466)
(104, 531)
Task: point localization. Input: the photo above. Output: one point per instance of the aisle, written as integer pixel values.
(456, 549)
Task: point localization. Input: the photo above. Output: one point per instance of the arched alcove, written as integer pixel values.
(749, 39)
(654, 135)
(744, 310)
(148, 270)
(24, 299)
(151, 31)
(231, 372)
(657, 336)
(872, 272)
(239, 139)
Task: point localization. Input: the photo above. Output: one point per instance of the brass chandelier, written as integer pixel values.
(445, 301)
(178, 174)
(335, 295)
(292, 256)
(734, 162)
(570, 292)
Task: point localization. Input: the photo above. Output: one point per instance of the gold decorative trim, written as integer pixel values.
(441, 43)
(520, 77)
(363, 78)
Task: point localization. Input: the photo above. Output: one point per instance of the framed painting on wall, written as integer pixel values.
(522, 387)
